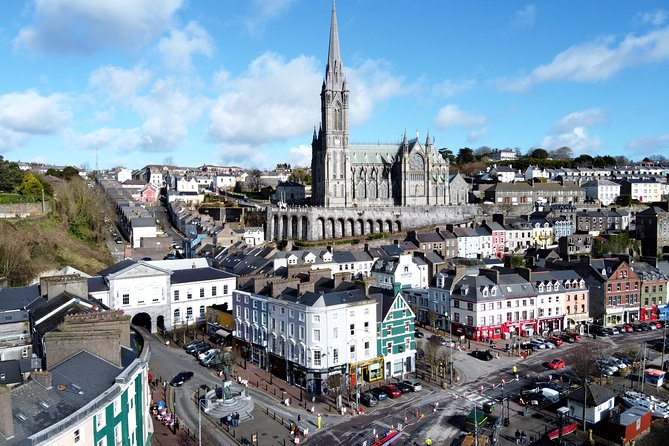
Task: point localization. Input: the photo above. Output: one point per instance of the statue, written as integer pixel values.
(227, 376)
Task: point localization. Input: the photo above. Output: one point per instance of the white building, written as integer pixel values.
(225, 181)
(123, 175)
(404, 271)
(163, 294)
(469, 242)
(253, 236)
(603, 190)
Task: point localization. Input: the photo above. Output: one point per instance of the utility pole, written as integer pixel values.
(664, 336)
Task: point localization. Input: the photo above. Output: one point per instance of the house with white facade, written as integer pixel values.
(163, 294)
(469, 242)
(644, 190)
(403, 271)
(605, 191)
(186, 183)
(225, 181)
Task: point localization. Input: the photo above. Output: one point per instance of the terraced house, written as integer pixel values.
(653, 290)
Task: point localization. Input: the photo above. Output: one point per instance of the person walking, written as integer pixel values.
(517, 436)
(236, 419)
(428, 441)
(514, 369)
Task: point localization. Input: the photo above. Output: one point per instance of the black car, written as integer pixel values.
(181, 378)
(483, 355)
(567, 338)
(379, 394)
(419, 334)
(368, 399)
(190, 348)
(404, 387)
(201, 348)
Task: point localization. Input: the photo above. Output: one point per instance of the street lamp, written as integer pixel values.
(450, 347)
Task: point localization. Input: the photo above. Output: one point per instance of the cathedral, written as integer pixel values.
(346, 175)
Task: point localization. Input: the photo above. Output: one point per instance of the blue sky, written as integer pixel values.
(238, 82)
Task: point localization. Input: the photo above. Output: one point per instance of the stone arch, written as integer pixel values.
(160, 323)
(389, 226)
(379, 226)
(350, 227)
(275, 223)
(360, 224)
(321, 228)
(370, 226)
(293, 228)
(341, 228)
(142, 320)
(398, 226)
(284, 228)
(331, 227)
(305, 228)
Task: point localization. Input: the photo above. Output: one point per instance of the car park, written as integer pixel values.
(483, 355)
(391, 390)
(181, 378)
(556, 363)
(378, 393)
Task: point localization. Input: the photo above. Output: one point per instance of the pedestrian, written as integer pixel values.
(228, 420)
(299, 418)
(514, 369)
(523, 437)
(428, 441)
(236, 419)
(517, 436)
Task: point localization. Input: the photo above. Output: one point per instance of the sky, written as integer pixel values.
(99, 84)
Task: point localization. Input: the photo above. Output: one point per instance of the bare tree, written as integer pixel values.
(583, 360)
(433, 356)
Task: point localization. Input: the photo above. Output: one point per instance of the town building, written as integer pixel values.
(395, 332)
(653, 290)
(652, 230)
(604, 191)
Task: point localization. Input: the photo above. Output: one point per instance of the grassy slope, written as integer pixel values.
(51, 247)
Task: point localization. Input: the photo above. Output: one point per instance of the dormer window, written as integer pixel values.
(493, 291)
(484, 291)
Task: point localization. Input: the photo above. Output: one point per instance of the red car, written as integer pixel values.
(556, 363)
(392, 391)
(657, 324)
(575, 337)
(628, 328)
(555, 340)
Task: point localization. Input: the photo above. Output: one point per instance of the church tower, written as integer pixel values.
(329, 159)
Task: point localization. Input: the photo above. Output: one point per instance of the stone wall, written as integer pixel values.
(23, 210)
(62, 345)
(320, 223)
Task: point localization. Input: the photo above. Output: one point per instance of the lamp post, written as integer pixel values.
(447, 320)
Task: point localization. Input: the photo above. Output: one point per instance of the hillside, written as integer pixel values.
(72, 234)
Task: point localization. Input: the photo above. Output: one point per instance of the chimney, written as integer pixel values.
(438, 230)
(329, 248)
(6, 416)
(43, 377)
(498, 218)
(366, 247)
(193, 265)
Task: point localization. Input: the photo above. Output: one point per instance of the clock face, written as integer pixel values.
(416, 162)
(336, 141)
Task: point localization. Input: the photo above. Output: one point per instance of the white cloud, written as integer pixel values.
(595, 61)
(650, 145)
(300, 156)
(477, 134)
(526, 16)
(584, 118)
(168, 112)
(34, 114)
(450, 88)
(247, 155)
(177, 49)
(655, 18)
(371, 83)
(119, 83)
(10, 140)
(84, 26)
(263, 11)
(452, 116)
(106, 139)
(572, 131)
(272, 100)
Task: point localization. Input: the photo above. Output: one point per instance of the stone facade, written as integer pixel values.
(318, 223)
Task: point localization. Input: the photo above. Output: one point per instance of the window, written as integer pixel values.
(456, 304)
(316, 319)
(77, 436)
(100, 420)
(225, 289)
(470, 306)
(317, 358)
(291, 330)
(300, 316)
(102, 442)
(189, 295)
(177, 315)
(317, 335)
(213, 291)
(176, 295)
(291, 313)
(117, 406)
(201, 310)
(201, 292)
(367, 326)
(189, 313)
(335, 332)
(389, 347)
(126, 299)
(352, 328)
(118, 435)
(301, 333)
(335, 355)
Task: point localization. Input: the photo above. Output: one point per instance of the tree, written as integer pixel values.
(30, 186)
(298, 175)
(563, 153)
(482, 152)
(10, 175)
(448, 155)
(517, 262)
(622, 160)
(432, 355)
(70, 172)
(465, 155)
(583, 361)
(256, 182)
(583, 161)
(624, 200)
(539, 154)
(659, 159)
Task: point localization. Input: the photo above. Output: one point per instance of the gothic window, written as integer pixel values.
(337, 117)
(416, 162)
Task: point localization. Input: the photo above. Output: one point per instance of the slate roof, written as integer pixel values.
(10, 372)
(20, 297)
(97, 283)
(596, 395)
(328, 299)
(142, 222)
(70, 305)
(43, 407)
(198, 275)
(429, 237)
(123, 264)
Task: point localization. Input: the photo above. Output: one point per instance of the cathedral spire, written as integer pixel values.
(427, 140)
(334, 56)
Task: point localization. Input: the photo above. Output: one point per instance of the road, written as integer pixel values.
(481, 382)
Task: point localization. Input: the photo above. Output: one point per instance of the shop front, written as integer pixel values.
(649, 313)
(548, 325)
(663, 312)
(487, 333)
(367, 371)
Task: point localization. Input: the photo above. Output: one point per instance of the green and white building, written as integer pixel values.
(396, 342)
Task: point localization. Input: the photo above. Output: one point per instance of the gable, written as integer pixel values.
(139, 270)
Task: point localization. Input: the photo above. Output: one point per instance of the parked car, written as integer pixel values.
(404, 388)
(416, 386)
(555, 340)
(181, 378)
(575, 336)
(546, 342)
(567, 338)
(556, 363)
(628, 328)
(193, 343)
(657, 324)
(531, 346)
(483, 355)
(191, 348)
(391, 390)
(206, 353)
(368, 399)
(538, 343)
(378, 393)
(439, 339)
(202, 348)
(419, 334)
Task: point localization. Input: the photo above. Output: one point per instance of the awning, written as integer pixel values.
(223, 332)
